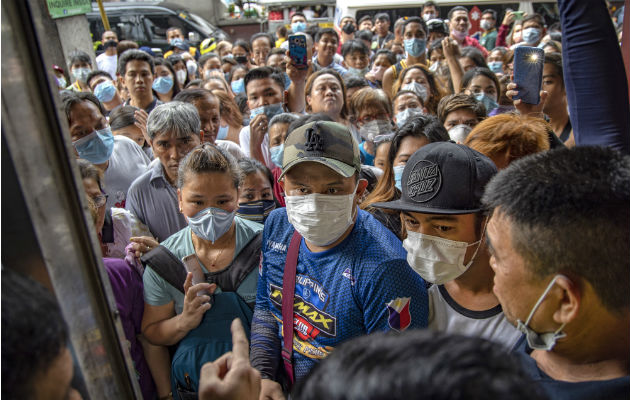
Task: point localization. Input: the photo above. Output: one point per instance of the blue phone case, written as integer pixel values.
(528, 71)
(297, 51)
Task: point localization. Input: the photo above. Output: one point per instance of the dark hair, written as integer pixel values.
(122, 116)
(404, 92)
(275, 51)
(204, 59)
(299, 13)
(241, 101)
(391, 57)
(96, 73)
(416, 20)
(174, 28)
(490, 11)
(250, 166)
(354, 45)
(244, 45)
(326, 31)
(263, 73)
(365, 18)
(192, 96)
(70, 98)
(233, 71)
(429, 4)
(282, 31)
(353, 81)
(167, 64)
(262, 35)
(208, 158)
(475, 55)
(364, 35)
(194, 82)
(568, 210)
(534, 17)
(458, 101)
(78, 56)
(134, 55)
(34, 333)
(472, 73)
(457, 8)
(435, 45)
(555, 59)
(417, 364)
(89, 171)
(125, 45)
(381, 15)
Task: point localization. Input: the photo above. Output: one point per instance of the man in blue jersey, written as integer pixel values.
(352, 277)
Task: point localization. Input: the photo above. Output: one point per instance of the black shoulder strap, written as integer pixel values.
(167, 265)
(247, 259)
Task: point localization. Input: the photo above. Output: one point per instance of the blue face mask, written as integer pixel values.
(211, 223)
(276, 154)
(358, 72)
(287, 81)
(163, 84)
(238, 86)
(398, 171)
(256, 211)
(270, 111)
(496, 66)
(488, 102)
(405, 115)
(415, 47)
(298, 27)
(80, 74)
(105, 91)
(223, 131)
(531, 35)
(97, 147)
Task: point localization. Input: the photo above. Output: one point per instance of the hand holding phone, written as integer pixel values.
(528, 70)
(297, 51)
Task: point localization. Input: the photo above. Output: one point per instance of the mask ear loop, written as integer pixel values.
(539, 302)
(478, 242)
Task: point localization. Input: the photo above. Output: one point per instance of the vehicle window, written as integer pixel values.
(158, 24)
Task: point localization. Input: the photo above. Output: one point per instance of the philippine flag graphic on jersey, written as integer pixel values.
(399, 316)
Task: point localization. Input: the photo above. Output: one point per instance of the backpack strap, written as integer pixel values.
(288, 292)
(167, 266)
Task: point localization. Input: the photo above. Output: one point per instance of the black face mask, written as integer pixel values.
(348, 28)
(241, 59)
(110, 43)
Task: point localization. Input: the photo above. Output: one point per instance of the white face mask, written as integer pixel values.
(535, 340)
(437, 260)
(181, 76)
(321, 218)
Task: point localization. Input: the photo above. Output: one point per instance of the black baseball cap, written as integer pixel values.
(443, 178)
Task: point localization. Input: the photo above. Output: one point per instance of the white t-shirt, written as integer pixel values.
(108, 64)
(445, 315)
(243, 138)
(127, 162)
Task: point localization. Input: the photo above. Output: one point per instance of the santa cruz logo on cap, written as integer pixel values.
(424, 181)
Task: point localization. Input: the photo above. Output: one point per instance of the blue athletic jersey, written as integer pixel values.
(362, 285)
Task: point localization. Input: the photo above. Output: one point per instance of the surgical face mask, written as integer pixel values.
(437, 260)
(223, 131)
(298, 27)
(485, 25)
(256, 211)
(80, 74)
(163, 84)
(434, 67)
(428, 16)
(378, 71)
(535, 340)
(211, 223)
(487, 101)
(374, 128)
(270, 110)
(406, 114)
(459, 35)
(398, 171)
(321, 218)
(209, 72)
(191, 66)
(105, 91)
(238, 86)
(531, 35)
(181, 76)
(277, 152)
(418, 89)
(359, 72)
(415, 47)
(97, 147)
(458, 133)
(61, 82)
(496, 66)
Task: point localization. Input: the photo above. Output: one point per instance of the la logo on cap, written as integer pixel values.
(314, 141)
(424, 181)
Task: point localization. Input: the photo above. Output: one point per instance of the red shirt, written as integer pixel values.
(468, 41)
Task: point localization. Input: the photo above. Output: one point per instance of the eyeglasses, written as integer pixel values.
(100, 200)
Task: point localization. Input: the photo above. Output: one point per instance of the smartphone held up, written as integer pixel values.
(528, 71)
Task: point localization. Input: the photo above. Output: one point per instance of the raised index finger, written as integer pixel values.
(240, 344)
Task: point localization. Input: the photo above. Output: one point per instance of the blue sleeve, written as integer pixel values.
(265, 342)
(395, 297)
(594, 76)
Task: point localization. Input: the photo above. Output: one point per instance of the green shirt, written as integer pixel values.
(488, 39)
(157, 292)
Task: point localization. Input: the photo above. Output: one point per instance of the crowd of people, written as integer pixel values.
(270, 229)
